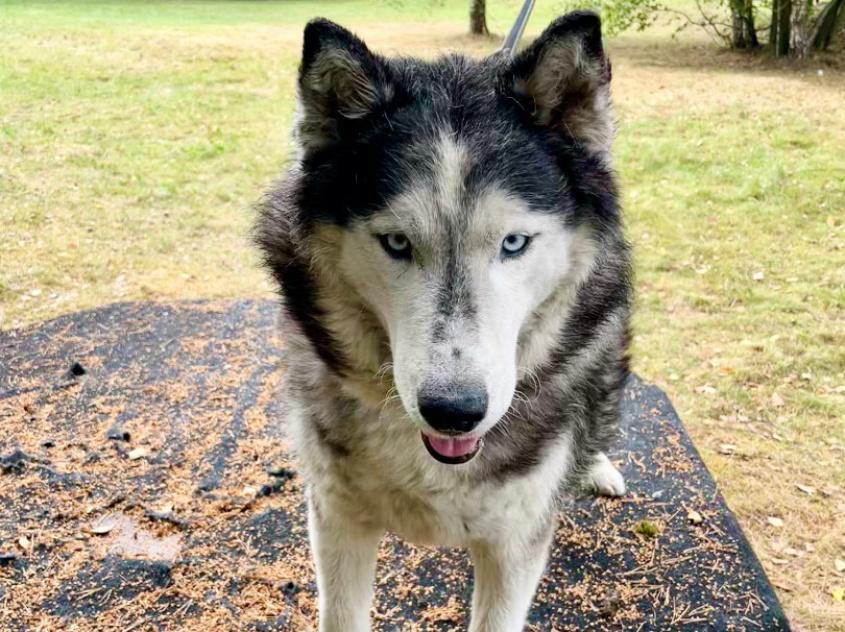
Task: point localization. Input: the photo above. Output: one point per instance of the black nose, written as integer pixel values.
(453, 410)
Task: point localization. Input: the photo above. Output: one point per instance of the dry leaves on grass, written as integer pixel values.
(777, 523)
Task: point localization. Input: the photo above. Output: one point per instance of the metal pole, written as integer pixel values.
(516, 32)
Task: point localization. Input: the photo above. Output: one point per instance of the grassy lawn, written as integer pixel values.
(135, 136)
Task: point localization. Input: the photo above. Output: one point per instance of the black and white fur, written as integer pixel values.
(450, 158)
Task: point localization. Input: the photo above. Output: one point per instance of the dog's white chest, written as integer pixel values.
(394, 482)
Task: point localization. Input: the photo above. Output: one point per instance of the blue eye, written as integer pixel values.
(396, 245)
(514, 245)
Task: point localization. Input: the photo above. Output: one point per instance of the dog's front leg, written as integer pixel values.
(345, 554)
(506, 577)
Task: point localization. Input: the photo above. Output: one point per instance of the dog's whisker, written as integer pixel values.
(391, 396)
(531, 375)
(384, 369)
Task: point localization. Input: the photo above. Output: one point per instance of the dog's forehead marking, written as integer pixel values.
(435, 203)
(451, 165)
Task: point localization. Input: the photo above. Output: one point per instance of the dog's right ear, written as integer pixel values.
(339, 79)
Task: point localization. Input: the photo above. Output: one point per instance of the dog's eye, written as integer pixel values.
(514, 245)
(396, 245)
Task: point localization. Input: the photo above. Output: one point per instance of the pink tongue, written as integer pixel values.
(453, 448)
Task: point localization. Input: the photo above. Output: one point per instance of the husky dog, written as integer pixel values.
(456, 290)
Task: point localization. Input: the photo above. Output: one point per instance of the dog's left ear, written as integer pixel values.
(567, 77)
(339, 79)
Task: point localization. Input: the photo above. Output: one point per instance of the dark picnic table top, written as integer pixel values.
(154, 491)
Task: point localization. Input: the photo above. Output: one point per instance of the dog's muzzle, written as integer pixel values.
(454, 411)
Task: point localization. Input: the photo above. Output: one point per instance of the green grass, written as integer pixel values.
(135, 136)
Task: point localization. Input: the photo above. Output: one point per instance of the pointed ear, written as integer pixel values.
(339, 79)
(566, 76)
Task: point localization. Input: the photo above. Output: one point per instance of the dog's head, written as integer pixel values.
(455, 205)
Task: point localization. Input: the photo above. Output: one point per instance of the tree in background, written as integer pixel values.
(811, 25)
(780, 27)
(795, 27)
(743, 32)
(478, 17)
(619, 15)
(829, 25)
(798, 26)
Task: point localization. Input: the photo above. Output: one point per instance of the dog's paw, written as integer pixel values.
(603, 479)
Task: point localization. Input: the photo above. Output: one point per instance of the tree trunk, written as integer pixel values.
(830, 20)
(799, 40)
(751, 29)
(743, 33)
(478, 17)
(737, 28)
(780, 29)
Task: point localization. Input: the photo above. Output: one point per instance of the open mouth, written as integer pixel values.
(453, 451)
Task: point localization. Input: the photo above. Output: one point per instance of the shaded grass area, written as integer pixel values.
(134, 138)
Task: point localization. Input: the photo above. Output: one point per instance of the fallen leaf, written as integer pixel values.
(777, 400)
(806, 489)
(839, 564)
(783, 586)
(775, 522)
(694, 517)
(137, 453)
(778, 560)
(830, 221)
(24, 542)
(104, 524)
(838, 593)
